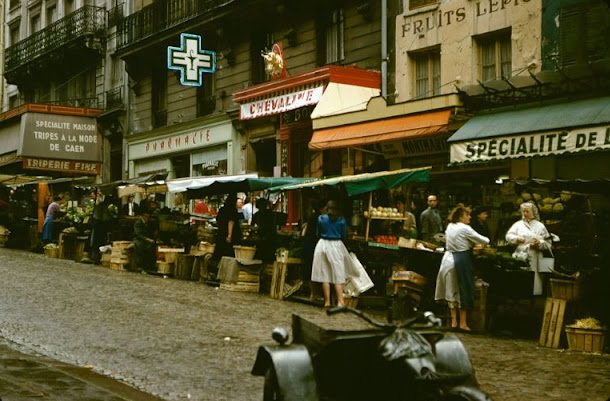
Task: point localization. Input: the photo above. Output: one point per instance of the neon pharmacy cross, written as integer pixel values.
(191, 60)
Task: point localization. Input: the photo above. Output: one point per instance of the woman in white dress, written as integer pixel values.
(531, 238)
(455, 280)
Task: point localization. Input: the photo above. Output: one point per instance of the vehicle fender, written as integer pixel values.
(467, 393)
(452, 358)
(293, 369)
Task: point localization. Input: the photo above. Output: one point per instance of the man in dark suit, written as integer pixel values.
(131, 208)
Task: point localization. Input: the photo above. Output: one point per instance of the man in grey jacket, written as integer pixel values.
(431, 222)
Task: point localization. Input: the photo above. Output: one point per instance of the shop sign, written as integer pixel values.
(180, 142)
(63, 166)
(529, 145)
(281, 103)
(60, 137)
(420, 24)
(191, 60)
(8, 158)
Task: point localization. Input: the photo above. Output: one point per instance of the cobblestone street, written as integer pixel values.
(182, 340)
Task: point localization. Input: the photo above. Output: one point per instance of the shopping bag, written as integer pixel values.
(357, 280)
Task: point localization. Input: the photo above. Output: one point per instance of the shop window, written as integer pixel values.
(265, 154)
(159, 96)
(332, 42)
(413, 4)
(427, 72)
(584, 32)
(210, 167)
(495, 55)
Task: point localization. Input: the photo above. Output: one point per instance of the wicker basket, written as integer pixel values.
(587, 340)
(244, 252)
(52, 252)
(206, 247)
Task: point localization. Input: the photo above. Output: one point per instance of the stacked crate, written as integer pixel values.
(563, 293)
(120, 257)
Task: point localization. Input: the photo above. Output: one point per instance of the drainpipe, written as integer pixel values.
(384, 48)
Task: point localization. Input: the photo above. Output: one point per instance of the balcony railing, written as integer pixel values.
(160, 16)
(87, 20)
(114, 98)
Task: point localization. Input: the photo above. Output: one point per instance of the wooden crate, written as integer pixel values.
(478, 315)
(565, 289)
(552, 322)
(240, 287)
(587, 340)
(118, 266)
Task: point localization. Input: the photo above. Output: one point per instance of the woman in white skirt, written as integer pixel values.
(331, 255)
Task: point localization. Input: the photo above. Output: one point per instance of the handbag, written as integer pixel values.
(546, 262)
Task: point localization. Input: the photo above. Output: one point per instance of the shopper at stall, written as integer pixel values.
(101, 223)
(331, 255)
(228, 232)
(264, 220)
(479, 222)
(249, 209)
(144, 242)
(531, 238)
(53, 211)
(455, 279)
(408, 227)
(310, 239)
(431, 222)
(131, 208)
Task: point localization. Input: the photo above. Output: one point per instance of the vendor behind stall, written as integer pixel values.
(264, 220)
(229, 232)
(53, 211)
(144, 241)
(531, 238)
(405, 228)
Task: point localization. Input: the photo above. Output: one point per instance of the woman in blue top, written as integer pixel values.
(331, 255)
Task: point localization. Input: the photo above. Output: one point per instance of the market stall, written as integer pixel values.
(381, 252)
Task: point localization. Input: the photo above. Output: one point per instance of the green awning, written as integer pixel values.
(367, 182)
(537, 131)
(246, 184)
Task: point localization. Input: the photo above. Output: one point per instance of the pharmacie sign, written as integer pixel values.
(281, 103)
(53, 136)
(529, 145)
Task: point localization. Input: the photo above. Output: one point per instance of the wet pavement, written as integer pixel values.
(180, 340)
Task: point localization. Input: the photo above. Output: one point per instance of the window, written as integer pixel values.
(35, 23)
(13, 101)
(51, 14)
(14, 32)
(260, 41)
(159, 96)
(420, 3)
(495, 56)
(583, 33)
(334, 38)
(68, 7)
(206, 98)
(427, 72)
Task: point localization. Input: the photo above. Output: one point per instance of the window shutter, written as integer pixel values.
(597, 25)
(572, 31)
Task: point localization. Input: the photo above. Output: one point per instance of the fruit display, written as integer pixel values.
(386, 239)
(382, 212)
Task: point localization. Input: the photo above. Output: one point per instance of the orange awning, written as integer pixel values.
(392, 129)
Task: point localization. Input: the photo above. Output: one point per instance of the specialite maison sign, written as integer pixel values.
(421, 23)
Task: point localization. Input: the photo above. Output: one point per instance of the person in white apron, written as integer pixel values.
(531, 238)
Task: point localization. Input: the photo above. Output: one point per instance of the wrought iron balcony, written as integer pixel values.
(161, 16)
(84, 22)
(114, 98)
